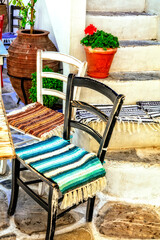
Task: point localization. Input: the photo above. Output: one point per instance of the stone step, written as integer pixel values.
(116, 5)
(136, 86)
(124, 25)
(126, 135)
(137, 56)
(134, 175)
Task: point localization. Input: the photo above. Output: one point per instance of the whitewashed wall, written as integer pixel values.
(66, 22)
(153, 6)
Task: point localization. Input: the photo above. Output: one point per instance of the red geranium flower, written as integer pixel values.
(90, 29)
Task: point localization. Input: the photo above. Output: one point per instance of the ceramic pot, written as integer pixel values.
(21, 62)
(99, 61)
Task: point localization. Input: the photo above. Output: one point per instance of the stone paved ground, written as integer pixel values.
(112, 219)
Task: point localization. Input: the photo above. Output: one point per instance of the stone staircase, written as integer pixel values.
(133, 173)
(139, 54)
(135, 70)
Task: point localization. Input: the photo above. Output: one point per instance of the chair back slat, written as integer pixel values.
(117, 100)
(87, 129)
(54, 75)
(90, 108)
(110, 126)
(56, 56)
(97, 86)
(56, 93)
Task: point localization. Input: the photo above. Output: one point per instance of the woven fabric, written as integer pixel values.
(36, 120)
(129, 113)
(66, 164)
(152, 108)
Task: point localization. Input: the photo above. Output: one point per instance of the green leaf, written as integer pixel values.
(100, 39)
(50, 83)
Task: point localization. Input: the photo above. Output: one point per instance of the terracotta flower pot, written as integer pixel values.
(99, 61)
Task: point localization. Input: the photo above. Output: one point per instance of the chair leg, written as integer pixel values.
(15, 187)
(90, 208)
(3, 166)
(52, 212)
(41, 189)
(1, 77)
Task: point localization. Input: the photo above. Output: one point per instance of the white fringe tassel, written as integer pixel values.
(21, 109)
(130, 127)
(54, 132)
(83, 193)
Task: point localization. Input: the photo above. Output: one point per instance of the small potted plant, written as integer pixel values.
(100, 48)
(49, 83)
(21, 61)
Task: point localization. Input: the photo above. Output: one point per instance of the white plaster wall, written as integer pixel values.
(42, 20)
(116, 5)
(153, 6)
(66, 22)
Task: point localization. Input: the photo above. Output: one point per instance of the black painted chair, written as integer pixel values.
(72, 174)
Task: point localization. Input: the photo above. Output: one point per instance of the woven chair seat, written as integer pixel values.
(37, 120)
(78, 173)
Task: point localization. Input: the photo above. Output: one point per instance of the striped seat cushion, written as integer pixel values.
(71, 167)
(37, 120)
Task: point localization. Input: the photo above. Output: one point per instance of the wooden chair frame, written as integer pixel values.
(51, 55)
(1, 30)
(103, 141)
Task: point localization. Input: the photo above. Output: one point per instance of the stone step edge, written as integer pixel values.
(130, 76)
(118, 14)
(138, 43)
(136, 153)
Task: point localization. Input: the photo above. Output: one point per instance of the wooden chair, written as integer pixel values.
(1, 30)
(14, 18)
(14, 25)
(68, 170)
(35, 119)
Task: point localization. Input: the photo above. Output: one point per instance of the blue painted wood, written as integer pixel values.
(3, 51)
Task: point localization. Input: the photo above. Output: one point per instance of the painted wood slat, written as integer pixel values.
(6, 144)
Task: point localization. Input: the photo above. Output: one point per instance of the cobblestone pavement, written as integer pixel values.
(112, 219)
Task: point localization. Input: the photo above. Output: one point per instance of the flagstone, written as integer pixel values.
(8, 237)
(31, 218)
(7, 183)
(78, 234)
(121, 220)
(9, 102)
(4, 220)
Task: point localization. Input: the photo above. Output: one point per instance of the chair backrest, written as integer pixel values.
(51, 55)
(1, 25)
(14, 18)
(116, 99)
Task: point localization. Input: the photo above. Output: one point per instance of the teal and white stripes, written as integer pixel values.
(59, 161)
